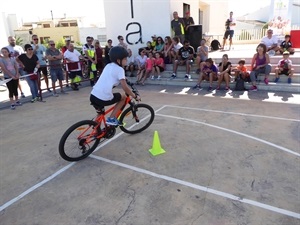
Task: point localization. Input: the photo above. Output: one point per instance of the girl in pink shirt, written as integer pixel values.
(159, 65)
(149, 67)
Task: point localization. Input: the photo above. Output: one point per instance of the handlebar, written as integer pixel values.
(133, 88)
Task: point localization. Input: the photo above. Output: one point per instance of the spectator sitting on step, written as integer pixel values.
(224, 72)
(149, 65)
(130, 63)
(185, 57)
(176, 46)
(260, 64)
(284, 66)
(209, 73)
(159, 47)
(202, 55)
(286, 45)
(159, 65)
(241, 70)
(140, 61)
(167, 50)
(271, 43)
(148, 48)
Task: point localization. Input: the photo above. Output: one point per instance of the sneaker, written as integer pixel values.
(227, 88)
(289, 80)
(22, 95)
(266, 81)
(48, 89)
(113, 122)
(253, 88)
(276, 79)
(37, 98)
(18, 103)
(159, 77)
(33, 100)
(218, 88)
(55, 94)
(209, 88)
(173, 76)
(197, 87)
(152, 77)
(12, 107)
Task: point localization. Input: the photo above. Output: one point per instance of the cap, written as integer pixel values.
(286, 53)
(153, 36)
(67, 39)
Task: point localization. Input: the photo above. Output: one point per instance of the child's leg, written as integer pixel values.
(118, 107)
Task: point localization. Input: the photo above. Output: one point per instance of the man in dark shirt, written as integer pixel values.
(177, 25)
(185, 57)
(188, 21)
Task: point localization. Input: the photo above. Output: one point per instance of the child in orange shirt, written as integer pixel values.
(241, 70)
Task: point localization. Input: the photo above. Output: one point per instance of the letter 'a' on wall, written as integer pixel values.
(136, 22)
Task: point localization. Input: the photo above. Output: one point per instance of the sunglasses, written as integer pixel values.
(30, 49)
(122, 39)
(52, 44)
(89, 41)
(35, 39)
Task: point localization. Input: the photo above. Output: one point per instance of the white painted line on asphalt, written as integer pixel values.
(235, 132)
(7, 204)
(233, 113)
(28, 191)
(201, 188)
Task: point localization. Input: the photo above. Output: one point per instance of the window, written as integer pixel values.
(45, 39)
(74, 24)
(64, 24)
(46, 25)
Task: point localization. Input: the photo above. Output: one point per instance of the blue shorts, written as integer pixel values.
(56, 74)
(228, 33)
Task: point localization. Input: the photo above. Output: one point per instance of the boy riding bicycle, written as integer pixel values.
(112, 75)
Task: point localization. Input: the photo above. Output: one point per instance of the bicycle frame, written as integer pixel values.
(100, 119)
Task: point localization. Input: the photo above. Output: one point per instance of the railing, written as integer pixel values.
(249, 36)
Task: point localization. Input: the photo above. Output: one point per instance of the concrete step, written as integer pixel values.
(273, 59)
(284, 87)
(169, 67)
(283, 78)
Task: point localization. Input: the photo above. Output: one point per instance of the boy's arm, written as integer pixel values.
(128, 90)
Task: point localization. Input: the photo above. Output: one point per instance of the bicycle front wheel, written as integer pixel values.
(79, 141)
(136, 119)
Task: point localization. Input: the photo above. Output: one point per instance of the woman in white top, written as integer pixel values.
(141, 61)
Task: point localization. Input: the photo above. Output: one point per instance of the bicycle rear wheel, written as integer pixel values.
(79, 141)
(138, 119)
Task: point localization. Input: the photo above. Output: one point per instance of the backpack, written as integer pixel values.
(215, 45)
(240, 84)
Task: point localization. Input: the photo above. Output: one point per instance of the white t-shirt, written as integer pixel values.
(141, 61)
(269, 41)
(15, 51)
(74, 57)
(110, 77)
(177, 47)
(130, 60)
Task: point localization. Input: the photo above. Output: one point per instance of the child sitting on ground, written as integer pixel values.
(286, 45)
(284, 66)
(241, 70)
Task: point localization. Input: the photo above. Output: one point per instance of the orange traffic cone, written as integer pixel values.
(156, 148)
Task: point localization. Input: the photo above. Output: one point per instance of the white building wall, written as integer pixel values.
(94, 32)
(149, 18)
(8, 23)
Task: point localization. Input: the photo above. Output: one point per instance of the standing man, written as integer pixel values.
(229, 30)
(55, 58)
(40, 51)
(15, 51)
(63, 50)
(90, 53)
(177, 25)
(188, 21)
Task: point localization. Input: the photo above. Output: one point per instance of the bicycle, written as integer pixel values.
(82, 138)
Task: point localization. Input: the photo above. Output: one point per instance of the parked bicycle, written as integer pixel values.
(82, 138)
